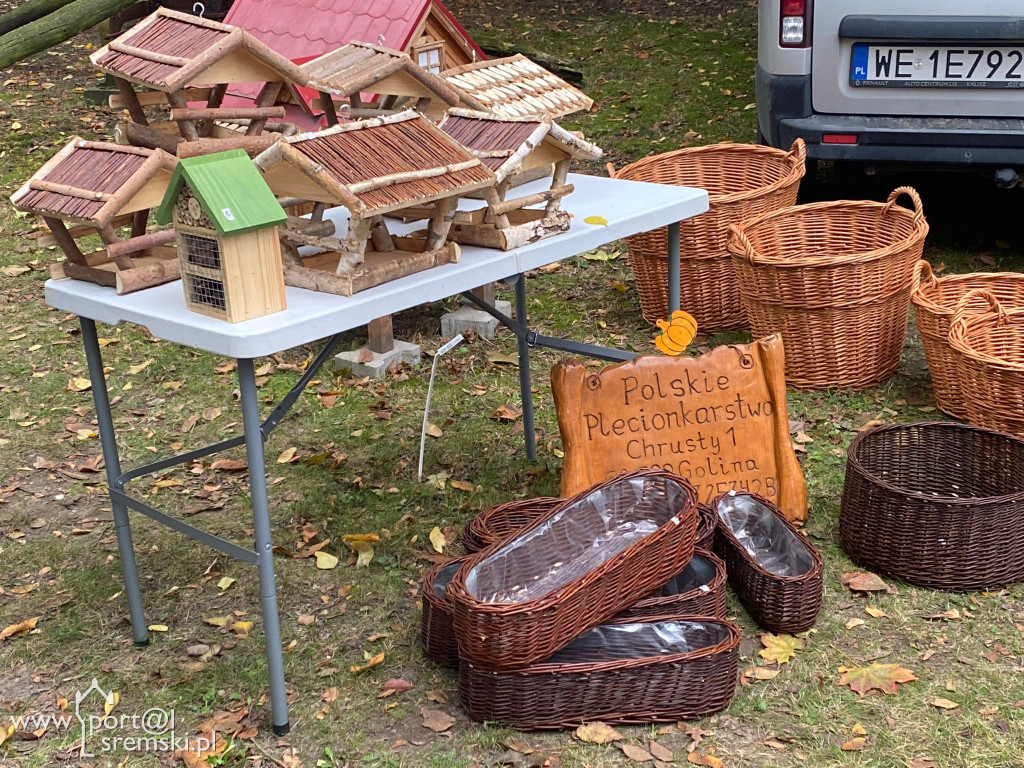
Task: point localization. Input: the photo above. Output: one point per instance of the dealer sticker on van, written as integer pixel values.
(925, 66)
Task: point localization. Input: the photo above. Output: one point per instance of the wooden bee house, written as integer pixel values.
(226, 218)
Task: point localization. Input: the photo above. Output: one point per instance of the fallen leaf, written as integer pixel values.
(157, 627)
(225, 583)
(859, 730)
(13, 270)
(134, 369)
(596, 220)
(229, 465)
(878, 613)
(854, 622)
(760, 673)
(508, 413)
(305, 619)
(436, 720)
(79, 384)
(942, 703)
(19, 629)
(437, 540)
(437, 696)
(331, 694)
(861, 581)
(709, 759)
(397, 684)
(597, 733)
(856, 744)
(882, 677)
(365, 356)
(110, 702)
(780, 648)
(462, 485)
(433, 430)
(287, 455)
(325, 561)
(370, 663)
(635, 753)
(660, 753)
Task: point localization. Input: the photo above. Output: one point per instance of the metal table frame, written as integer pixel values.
(255, 434)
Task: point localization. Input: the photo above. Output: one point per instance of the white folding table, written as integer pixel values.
(628, 207)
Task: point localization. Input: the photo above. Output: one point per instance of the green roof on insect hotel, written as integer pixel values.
(230, 190)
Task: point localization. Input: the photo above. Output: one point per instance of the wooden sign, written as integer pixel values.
(718, 419)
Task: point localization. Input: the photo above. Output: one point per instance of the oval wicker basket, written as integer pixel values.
(586, 586)
(991, 350)
(699, 590)
(564, 692)
(777, 603)
(437, 630)
(743, 181)
(496, 523)
(834, 279)
(938, 504)
(935, 300)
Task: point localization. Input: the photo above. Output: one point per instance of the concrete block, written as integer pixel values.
(377, 365)
(469, 318)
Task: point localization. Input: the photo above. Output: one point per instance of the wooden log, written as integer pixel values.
(357, 235)
(380, 333)
(107, 277)
(310, 227)
(390, 179)
(226, 113)
(55, 28)
(131, 101)
(141, 243)
(186, 127)
(142, 53)
(213, 101)
(142, 135)
(317, 214)
(253, 145)
(510, 238)
(28, 11)
(379, 234)
(66, 189)
(441, 222)
(147, 275)
(45, 240)
(267, 96)
(155, 98)
(327, 105)
(538, 197)
(493, 199)
(558, 180)
(64, 239)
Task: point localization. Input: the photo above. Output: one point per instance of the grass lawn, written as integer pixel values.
(344, 462)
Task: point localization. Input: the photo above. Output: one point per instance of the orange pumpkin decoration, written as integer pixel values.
(676, 334)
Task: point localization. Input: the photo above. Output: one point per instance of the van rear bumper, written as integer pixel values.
(785, 114)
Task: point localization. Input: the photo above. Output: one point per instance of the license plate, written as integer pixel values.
(930, 66)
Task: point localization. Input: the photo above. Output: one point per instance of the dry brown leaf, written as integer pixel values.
(433, 430)
(19, 629)
(862, 581)
(436, 720)
(660, 753)
(780, 648)
(305, 619)
(882, 677)
(462, 485)
(635, 753)
(331, 694)
(437, 696)
(508, 413)
(942, 703)
(365, 356)
(229, 465)
(437, 540)
(370, 663)
(709, 759)
(856, 744)
(288, 455)
(597, 733)
(760, 673)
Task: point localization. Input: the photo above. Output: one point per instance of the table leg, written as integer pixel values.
(262, 544)
(673, 268)
(525, 386)
(108, 441)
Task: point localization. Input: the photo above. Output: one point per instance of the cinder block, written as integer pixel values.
(377, 365)
(469, 318)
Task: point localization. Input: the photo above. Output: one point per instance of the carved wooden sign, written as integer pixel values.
(718, 419)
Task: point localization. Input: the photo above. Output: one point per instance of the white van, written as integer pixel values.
(878, 81)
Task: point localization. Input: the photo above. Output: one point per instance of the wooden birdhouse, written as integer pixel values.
(226, 219)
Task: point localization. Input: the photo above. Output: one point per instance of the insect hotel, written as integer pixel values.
(512, 147)
(97, 187)
(390, 165)
(226, 221)
(397, 82)
(516, 87)
(185, 58)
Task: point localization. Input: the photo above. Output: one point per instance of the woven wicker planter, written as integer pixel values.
(698, 591)
(935, 300)
(527, 596)
(939, 505)
(782, 586)
(630, 680)
(835, 280)
(990, 347)
(437, 629)
(707, 521)
(495, 524)
(743, 181)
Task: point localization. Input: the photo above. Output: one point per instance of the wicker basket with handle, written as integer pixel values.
(525, 597)
(991, 349)
(835, 280)
(743, 181)
(935, 300)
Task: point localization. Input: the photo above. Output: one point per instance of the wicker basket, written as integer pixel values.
(698, 591)
(835, 280)
(935, 300)
(496, 523)
(576, 686)
(991, 351)
(437, 631)
(940, 505)
(645, 522)
(707, 521)
(778, 603)
(743, 181)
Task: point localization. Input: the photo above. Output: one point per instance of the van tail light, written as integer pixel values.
(795, 23)
(839, 138)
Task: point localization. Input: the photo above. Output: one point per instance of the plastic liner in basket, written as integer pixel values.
(666, 668)
(496, 523)
(774, 570)
(597, 553)
(699, 590)
(437, 629)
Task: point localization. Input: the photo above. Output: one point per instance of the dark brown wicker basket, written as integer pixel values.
(495, 524)
(707, 521)
(939, 504)
(437, 628)
(699, 590)
(778, 603)
(582, 594)
(576, 686)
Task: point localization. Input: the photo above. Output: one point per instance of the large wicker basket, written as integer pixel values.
(834, 279)
(778, 602)
(496, 523)
(935, 300)
(437, 630)
(940, 505)
(527, 596)
(623, 684)
(743, 181)
(699, 590)
(991, 349)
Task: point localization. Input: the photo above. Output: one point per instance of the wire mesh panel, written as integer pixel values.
(206, 291)
(201, 251)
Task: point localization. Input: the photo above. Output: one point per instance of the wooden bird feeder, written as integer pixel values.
(513, 147)
(226, 222)
(386, 165)
(393, 79)
(185, 58)
(96, 187)
(516, 87)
